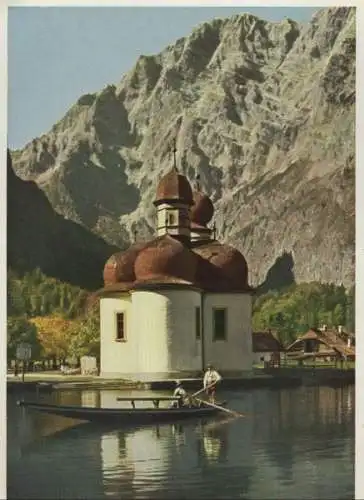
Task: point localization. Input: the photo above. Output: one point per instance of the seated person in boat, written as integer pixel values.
(180, 393)
(211, 378)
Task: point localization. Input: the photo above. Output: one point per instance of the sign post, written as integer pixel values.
(24, 353)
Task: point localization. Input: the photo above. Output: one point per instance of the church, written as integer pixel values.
(174, 304)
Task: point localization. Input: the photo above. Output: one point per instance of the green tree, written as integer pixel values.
(339, 314)
(16, 304)
(296, 309)
(350, 310)
(86, 339)
(35, 294)
(20, 330)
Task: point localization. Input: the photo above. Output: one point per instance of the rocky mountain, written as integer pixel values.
(39, 237)
(263, 112)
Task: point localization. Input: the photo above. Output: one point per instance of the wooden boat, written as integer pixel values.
(131, 415)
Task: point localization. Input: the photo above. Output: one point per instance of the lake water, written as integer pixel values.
(292, 443)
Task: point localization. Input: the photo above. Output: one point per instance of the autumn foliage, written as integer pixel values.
(55, 334)
(58, 320)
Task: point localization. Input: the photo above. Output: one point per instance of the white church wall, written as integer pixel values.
(235, 353)
(161, 338)
(150, 326)
(185, 348)
(116, 356)
(165, 322)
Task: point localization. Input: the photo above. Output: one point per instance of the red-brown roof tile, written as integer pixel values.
(223, 265)
(266, 341)
(165, 256)
(120, 266)
(174, 186)
(202, 210)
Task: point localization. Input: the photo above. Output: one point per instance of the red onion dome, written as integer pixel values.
(165, 257)
(202, 210)
(227, 263)
(120, 266)
(174, 186)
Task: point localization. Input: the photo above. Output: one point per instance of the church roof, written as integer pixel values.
(221, 266)
(152, 284)
(168, 260)
(120, 266)
(202, 209)
(114, 288)
(163, 257)
(210, 266)
(199, 227)
(174, 186)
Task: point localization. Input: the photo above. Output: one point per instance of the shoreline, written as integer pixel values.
(276, 378)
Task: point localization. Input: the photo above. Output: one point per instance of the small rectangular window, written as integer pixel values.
(120, 326)
(171, 219)
(219, 318)
(198, 322)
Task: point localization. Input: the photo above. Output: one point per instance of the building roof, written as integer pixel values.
(221, 264)
(160, 283)
(164, 283)
(329, 338)
(120, 266)
(114, 288)
(202, 209)
(206, 264)
(346, 335)
(266, 341)
(209, 266)
(174, 187)
(165, 257)
(200, 228)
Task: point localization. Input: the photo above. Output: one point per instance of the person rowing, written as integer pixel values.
(211, 378)
(179, 393)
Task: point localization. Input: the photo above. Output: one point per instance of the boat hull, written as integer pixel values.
(122, 415)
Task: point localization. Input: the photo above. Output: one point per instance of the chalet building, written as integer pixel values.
(324, 343)
(172, 305)
(267, 348)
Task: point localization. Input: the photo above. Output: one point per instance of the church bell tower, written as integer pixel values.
(173, 201)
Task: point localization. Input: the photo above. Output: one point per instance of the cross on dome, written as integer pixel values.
(174, 154)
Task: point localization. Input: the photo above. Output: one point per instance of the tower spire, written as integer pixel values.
(174, 154)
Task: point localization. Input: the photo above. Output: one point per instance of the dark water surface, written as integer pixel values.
(293, 443)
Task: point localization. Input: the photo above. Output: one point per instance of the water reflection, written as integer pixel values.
(179, 436)
(91, 398)
(212, 445)
(287, 446)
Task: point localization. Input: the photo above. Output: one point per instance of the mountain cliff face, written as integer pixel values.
(38, 237)
(263, 112)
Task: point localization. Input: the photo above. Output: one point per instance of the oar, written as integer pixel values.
(218, 423)
(202, 390)
(221, 408)
(193, 396)
(231, 412)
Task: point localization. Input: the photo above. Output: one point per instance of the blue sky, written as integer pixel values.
(56, 54)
